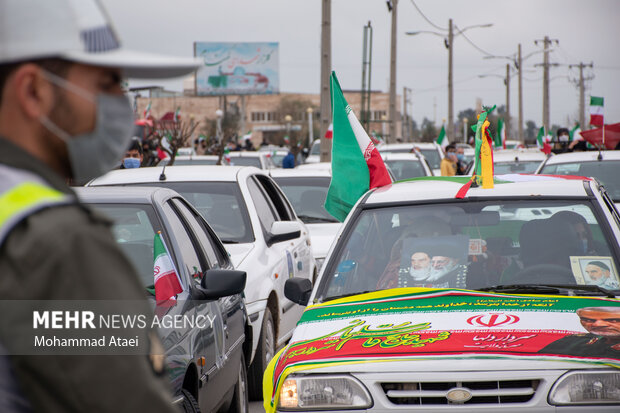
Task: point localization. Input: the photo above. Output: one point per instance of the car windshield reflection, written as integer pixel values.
(604, 171)
(477, 245)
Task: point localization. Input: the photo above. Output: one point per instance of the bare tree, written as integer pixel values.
(177, 134)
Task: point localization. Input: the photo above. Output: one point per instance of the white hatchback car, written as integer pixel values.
(504, 299)
(407, 165)
(603, 165)
(306, 189)
(261, 232)
(431, 151)
(515, 161)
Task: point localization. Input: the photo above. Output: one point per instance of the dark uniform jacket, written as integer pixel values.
(68, 253)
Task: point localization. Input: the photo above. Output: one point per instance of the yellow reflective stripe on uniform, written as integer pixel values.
(25, 196)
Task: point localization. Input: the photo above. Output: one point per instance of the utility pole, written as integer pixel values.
(520, 69)
(326, 65)
(407, 132)
(393, 9)
(507, 82)
(450, 130)
(366, 76)
(546, 46)
(582, 93)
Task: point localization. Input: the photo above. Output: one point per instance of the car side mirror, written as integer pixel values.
(283, 231)
(218, 283)
(298, 290)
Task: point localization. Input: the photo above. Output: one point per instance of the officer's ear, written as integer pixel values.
(32, 92)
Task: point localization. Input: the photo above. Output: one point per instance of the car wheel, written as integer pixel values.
(190, 405)
(264, 353)
(240, 402)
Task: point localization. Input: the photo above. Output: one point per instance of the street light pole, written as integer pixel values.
(309, 111)
(392, 113)
(218, 130)
(507, 120)
(520, 69)
(450, 89)
(326, 65)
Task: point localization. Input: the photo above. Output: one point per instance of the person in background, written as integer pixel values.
(134, 155)
(64, 117)
(289, 160)
(461, 166)
(448, 163)
(561, 144)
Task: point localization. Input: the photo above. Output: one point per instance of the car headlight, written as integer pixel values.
(333, 392)
(586, 387)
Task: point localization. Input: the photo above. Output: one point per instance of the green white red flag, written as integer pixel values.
(356, 163)
(542, 141)
(329, 133)
(177, 114)
(441, 139)
(167, 282)
(500, 137)
(147, 111)
(596, 110)
(575, 133)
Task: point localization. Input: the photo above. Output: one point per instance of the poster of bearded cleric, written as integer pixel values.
(439, 262)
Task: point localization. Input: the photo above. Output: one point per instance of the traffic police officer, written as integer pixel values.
(63, 116)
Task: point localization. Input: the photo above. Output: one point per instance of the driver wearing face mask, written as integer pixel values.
(64, 118)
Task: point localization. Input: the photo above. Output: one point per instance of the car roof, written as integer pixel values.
(510, 155)
(124, 195)
(393, 156)
(587, 156)
(299, 172)
(181, 173)
(436, 188)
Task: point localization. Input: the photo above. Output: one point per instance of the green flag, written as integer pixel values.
(441, 139)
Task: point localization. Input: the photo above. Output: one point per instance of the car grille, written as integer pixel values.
(483, 392)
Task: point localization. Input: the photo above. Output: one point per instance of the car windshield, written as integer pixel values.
(521, 167)
(316, 148)
(221, 205)
(277, 159)
(307, 195)
(245, 161)
(405, 169)
(432, 156)
(134, 230)
(473, 245)
(605, 172)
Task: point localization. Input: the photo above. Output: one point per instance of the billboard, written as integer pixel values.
(237, 68)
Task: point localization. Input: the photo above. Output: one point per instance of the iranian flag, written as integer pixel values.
(167, 283)
(596, 111)
(329, 133)
(542, 141)
(575, 133)
(500, 137)
(441, 139)
(247, 136)
(177, 114)
(356, 163)
(147, 111)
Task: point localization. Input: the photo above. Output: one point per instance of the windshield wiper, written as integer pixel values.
(547, 289)
(310, 219)
(336, 297)
(228, 241)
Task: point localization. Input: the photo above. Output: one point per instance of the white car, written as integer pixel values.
(431, 303)
(192, 160)
(258, 159)
(431, 151)
(515, 161)
(315, 152)
(306, 189)
(407, 165)
(603, 165)
(260, 231)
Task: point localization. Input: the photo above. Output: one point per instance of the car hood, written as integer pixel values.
(322, 236)
(238, 252)
(408, 325)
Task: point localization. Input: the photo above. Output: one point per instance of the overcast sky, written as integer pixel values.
(588, 31)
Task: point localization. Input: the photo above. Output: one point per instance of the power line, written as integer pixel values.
(426, 18)
(472, 43)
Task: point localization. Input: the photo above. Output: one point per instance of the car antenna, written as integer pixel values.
(600, 155)
(162, 176)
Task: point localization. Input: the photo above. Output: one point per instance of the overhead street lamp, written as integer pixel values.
(448, 41)
(288, 119)
(219, 113)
